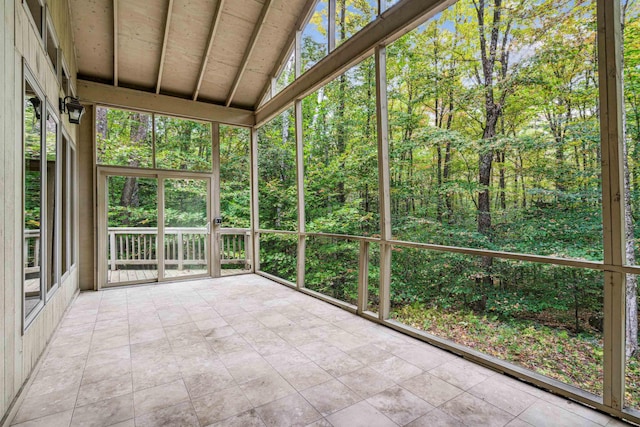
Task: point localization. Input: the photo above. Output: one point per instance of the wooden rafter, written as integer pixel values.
(207, 52)
(304, 17)
(247, 54)
(115, 42)
(167, 24)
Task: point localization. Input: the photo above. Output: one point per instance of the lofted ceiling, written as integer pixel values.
(218, 51)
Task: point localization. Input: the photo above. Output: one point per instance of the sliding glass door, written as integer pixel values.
(153, 227)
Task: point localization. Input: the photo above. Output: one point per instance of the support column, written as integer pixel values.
(611, 134)
(255, 223)
(383, 181)
(331, 25)
(302, 239)
(214, 236)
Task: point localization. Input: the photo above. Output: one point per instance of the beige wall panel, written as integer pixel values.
(140, 41)
(250, 88)
(93, 24)
(6, 105)
(217, 81)
(188, 35)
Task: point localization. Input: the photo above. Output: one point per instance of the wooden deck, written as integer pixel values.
(121, 276)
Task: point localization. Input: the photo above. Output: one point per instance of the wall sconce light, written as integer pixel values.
(73, 108)
(35, 101)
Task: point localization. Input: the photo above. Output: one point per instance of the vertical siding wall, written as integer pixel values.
(20, 42)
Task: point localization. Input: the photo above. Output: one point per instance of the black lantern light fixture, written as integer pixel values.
(73, 108)
(35, 101)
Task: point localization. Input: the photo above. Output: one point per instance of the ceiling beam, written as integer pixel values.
(167, 24)
(115, 42)
(391, 25)
(101, 94)
(248, 51)
(304, 17)
(212, 33)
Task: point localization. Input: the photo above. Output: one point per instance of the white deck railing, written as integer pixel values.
(183, 246)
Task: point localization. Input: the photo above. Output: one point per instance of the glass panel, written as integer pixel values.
(36, 10)
(277, 173)
(314, 44)
(33, 242)
(519, 174)
(51, 206)
(72, 207)
(124, 138)
(52, 49)
(182, 144)
(186, 236)
(279, 254)
(64, 208)
(132, 229)
(340, 150)
(235, 171)
(631, 22)
(352, 16)
(331, 268)
(235, 199)
(632, 369)
(546, 318)
(287, 75)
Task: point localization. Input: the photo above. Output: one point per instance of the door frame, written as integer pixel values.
(103, 174)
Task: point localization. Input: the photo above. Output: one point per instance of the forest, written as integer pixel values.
(494, 143)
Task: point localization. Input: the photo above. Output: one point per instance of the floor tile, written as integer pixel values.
(105, 389)
(366, 382)
(220, 405)
(159, 397)
(400, 405)
(106, 371)
(360, 415)
(104, 413)
(436, 418)
(476, 412)
(461, 373)
(304, 376)
(396, 369)
(61, 419)
(503, 396)
(44, 405)
(543, 414)
(431, 389)
(201, 384)
(182, 415)
(266, 389)
(292, 410)
(245, 419)
(330, 397)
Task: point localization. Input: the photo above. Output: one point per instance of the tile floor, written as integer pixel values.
(244, 351)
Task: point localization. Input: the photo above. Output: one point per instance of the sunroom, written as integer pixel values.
(320, 212)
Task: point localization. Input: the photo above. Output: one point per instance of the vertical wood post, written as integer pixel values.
(383, 181)
(331, 25)
(363, 277)
(180, 251)
(112, 250)
(215, 211)
(302, 239)
(611, 134)
(255, 219)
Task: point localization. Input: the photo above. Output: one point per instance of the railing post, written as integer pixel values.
(180, 251)
(363, 277)
(247, 251)
(112, 250)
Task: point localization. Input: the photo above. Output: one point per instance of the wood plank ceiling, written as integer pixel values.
(218, 51)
